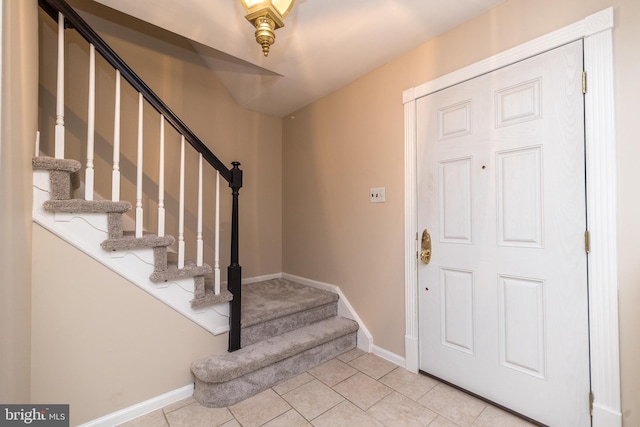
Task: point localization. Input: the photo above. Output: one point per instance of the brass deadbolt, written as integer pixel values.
(425, 252)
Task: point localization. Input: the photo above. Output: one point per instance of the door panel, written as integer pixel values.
(455, 200)
(457, 309)
(521, 322)
(519, 197)
(501, 188)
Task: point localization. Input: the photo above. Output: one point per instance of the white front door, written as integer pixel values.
(501, 190)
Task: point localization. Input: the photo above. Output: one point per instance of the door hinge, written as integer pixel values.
(587, 241)
(584, 82)
(591, 403)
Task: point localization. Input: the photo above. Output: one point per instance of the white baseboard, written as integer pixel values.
(365, 343)
(142, 408)
(365, 339)
(387, 355)
(605, 417)
(345, 309)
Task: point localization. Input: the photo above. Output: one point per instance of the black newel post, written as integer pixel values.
(234, 272)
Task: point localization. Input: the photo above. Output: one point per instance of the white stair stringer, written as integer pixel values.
(87, 231)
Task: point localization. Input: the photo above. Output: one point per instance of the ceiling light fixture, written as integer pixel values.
(266, 16)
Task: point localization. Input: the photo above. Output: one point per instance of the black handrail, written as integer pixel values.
(232, 176)
(81, 26)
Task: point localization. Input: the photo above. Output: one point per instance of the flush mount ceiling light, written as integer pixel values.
(266, 16)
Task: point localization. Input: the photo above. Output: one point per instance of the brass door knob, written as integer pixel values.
(425, 256)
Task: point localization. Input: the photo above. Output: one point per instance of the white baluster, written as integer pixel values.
(37, 143)
(161, 212)
(91, 120)
(115, 175)
(139, 211)
(59, 130)
(181, 209)
(200, 249)
(216, 269)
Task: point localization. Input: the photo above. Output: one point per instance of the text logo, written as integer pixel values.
(34, 415)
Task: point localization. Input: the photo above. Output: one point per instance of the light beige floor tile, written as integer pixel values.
(259, 409)
(289, 419)
(397, 410)
(351, 354)
(362, 390)
(179, 404)
(495, 417)
(195, 415)
(414, 386)
(441, 421)
(312, 399)
(372, 365)
(398, 398)
(333, 372)
(292, 383)
(152, 419)
(346, 414)
(459, 407)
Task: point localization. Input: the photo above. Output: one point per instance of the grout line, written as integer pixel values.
(344, 399)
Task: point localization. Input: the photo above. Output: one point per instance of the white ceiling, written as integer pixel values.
(324, 45)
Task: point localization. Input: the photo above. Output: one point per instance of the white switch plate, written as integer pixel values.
(376, 195)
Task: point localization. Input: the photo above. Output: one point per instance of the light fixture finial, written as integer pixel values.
(266, 16)
(265, 35)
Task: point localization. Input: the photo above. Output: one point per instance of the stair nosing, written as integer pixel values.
(320, 297)
(132, 242)
(295, 310)
(246, 360)
(86, 206)
(257, 332)
(173, 272)
(53, 164)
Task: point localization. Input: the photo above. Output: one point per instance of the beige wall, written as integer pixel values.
(335, 149)
(17, 137)
(100, 343)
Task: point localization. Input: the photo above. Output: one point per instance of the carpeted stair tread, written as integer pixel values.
(271, 299)
(220, 395)
(53, 164)
(280, 325)
(229, 366)
(210, 298)
(130, 241)
(173, 272)
(63, 175)
(86, 206)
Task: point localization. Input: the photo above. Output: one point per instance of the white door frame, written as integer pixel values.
(596, 31)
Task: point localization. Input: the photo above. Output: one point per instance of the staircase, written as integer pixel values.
(89, 223)
(194, 289)
(287, 328)
(278, 330)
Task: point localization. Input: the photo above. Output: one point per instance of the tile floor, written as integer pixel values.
(355, 389)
